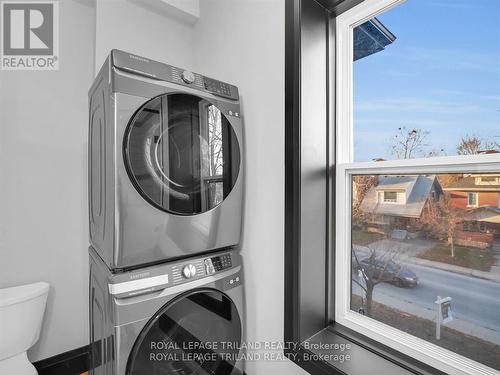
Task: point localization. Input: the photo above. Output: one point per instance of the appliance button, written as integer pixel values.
(189, 271)
(188, 76)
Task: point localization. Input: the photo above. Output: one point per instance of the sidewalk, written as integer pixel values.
(457, 324)
(492, 276)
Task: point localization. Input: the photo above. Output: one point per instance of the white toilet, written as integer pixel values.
(21, 315)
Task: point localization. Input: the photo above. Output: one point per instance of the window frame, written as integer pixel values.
(419, 349)
(476, 199)
(312, 269)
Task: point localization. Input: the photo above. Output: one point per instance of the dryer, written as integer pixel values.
(182, 318)
(165, 163)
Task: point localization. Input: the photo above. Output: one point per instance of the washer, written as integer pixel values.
(182, 318)
(165, 163)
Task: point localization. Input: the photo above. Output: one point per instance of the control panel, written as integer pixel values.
(152, 69)
(217, 87)
(218, 263)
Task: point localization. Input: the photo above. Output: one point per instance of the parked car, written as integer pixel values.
(389, 271)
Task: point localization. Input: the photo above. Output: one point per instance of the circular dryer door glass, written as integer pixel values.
(182, 154)
(197, 334)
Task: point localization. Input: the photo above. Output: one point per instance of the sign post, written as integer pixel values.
(443, 313)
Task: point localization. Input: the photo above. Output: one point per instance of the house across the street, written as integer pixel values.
(475, 191)
(479, 195)
(397, 202)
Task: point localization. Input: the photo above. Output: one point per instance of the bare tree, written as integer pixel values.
(361, 184)
(375, 269)
(446, 180)
(408, 144)
(215, 140)
(442, 219)
(473, 145)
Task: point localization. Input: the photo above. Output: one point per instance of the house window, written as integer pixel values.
(472, 199)
(390, 196)
(487, 180)
(401, 114)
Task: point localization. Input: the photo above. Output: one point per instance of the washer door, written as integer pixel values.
(181, 154)
(198, 333)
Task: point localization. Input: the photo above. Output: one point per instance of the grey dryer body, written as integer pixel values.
(165, 163)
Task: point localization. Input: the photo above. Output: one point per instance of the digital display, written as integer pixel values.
(222, 262)
(217, 87)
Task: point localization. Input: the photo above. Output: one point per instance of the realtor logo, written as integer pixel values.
(30, 35)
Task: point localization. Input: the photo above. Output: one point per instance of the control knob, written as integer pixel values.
(189, 271)
(188, 76)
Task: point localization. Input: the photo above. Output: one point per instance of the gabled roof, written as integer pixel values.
(420, 188)
(487, 214)
(396, 182)
(469, 184)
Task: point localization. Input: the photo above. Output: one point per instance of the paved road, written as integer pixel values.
(474, 300)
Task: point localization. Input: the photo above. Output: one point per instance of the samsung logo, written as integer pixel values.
(138, 58)
(139, 275)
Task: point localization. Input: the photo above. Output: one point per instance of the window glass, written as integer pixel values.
(390, 196)
(413, 258)
(472, 199)
(426, 80)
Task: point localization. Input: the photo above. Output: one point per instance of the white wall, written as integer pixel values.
(242, 42)
(125, 25)
(43, 156)
(43, 186)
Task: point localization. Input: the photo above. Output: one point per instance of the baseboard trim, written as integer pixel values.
(73, 362)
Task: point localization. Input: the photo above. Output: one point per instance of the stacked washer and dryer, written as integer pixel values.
(165, 207)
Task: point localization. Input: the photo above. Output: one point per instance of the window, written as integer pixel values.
(487, 180)
(408, 111)
(472, 199)
(390, 282)
(390, 196)
(414, 100)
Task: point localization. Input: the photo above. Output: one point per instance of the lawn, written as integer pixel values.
(469, 346)
(363, 238)
(481, 260)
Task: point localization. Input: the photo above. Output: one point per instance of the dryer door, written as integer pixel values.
(182, 154)
(198, 333)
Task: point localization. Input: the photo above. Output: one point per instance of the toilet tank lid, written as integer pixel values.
(16, 294)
